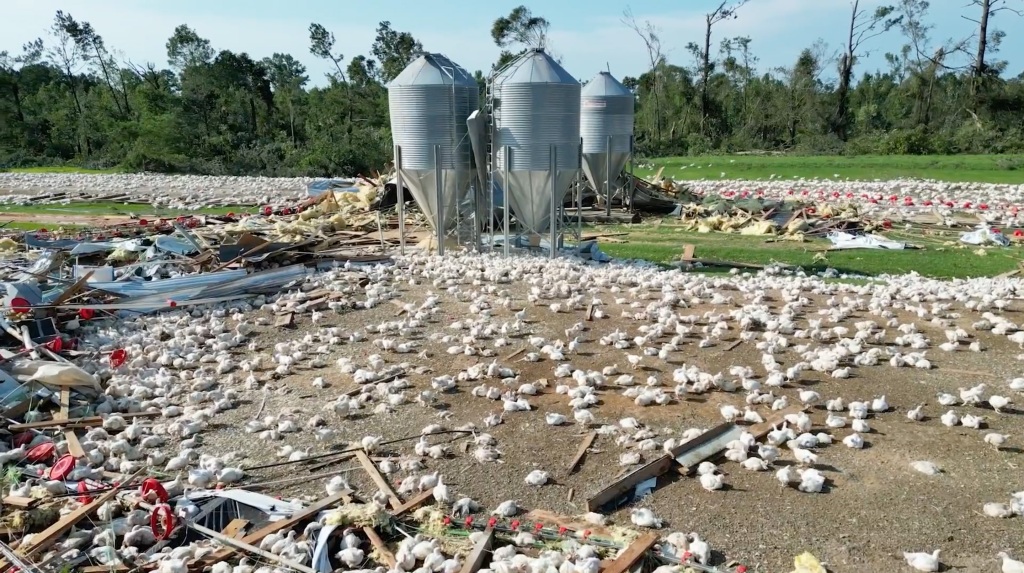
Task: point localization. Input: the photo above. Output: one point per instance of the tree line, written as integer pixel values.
(69, 98)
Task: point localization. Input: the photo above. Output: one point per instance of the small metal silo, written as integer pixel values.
(429, 103)
(606, 126)
(536, 106)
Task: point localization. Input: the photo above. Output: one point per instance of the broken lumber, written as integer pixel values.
(378, 479)
(47, 537)
(87, 422)
(241, 544)
(273, 527)
(475, 560)
(420, 498)
(588, 440)
(632, 554)
(236, 528)
(652, 469)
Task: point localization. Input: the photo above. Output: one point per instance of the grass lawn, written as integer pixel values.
(664, 244)
(64, 169)
(954, 168)
(99, 208)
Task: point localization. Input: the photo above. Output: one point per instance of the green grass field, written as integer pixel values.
(937, 258)
(954, 168)
(99, 208)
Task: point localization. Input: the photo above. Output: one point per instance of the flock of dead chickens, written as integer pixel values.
(193, 365)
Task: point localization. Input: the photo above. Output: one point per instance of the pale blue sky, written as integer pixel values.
(587, 35)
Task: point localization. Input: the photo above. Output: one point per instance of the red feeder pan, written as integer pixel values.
(43, 451)
(86, 313)
(62, 468)
(20, 304)
(118, 357)
(143, 222)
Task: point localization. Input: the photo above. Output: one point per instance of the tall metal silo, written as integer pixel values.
(536, 105)
(606, 126)
(429, 103)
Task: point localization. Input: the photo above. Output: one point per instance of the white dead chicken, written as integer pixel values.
(927, 562)
(537, 477)
(643, 517)
(926, 467)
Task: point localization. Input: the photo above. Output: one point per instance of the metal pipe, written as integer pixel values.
(439, 194)
(401, 200)
(608, 178)
(554, 201)
(579, 191)
(632, 183)
(504, 199)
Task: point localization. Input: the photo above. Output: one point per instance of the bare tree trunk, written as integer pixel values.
(705, 75)
(841, 121)
(16, 93)
(979, 59)
(106, 78)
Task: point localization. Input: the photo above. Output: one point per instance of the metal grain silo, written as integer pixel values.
(606, 112)
(429, 103)
(536, 106)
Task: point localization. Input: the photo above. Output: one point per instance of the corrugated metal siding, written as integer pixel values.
(423, 116)
(606, 109)
(530, 118)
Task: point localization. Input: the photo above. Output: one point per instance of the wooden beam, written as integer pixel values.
(418, 500)
(255, 537)
(47, 537)
(378, 545)
(21, 502)
(588, 440)
(475, 560)
(236, 528)
(72, 290)
(74, 446)
(632, 554)
(249, 548)
(378, 479)
(653, 468)
(90, 421)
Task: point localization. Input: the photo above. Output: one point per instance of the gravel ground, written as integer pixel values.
(874, 505)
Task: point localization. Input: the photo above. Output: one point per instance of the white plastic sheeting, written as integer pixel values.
(841, 240)
(985, 235)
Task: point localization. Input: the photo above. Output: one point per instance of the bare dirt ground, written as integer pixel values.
(874, 505)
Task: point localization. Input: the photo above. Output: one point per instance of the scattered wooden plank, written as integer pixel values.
(236, 528)
(688, 250)
(378, 479)
(516, 353)
(47, 537)
(120, 568)
(475, 560)
(21, 502)
(249, 548)
(418, 500)
(380, 548)
(734, 344)
(72, 290)
(590, 312)
(632, 554)
(653, 468)
(255, 537)
(285, 320)
(87, 422)
(74, 446)
(588, 440)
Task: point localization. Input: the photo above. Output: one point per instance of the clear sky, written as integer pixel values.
(587, 34)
